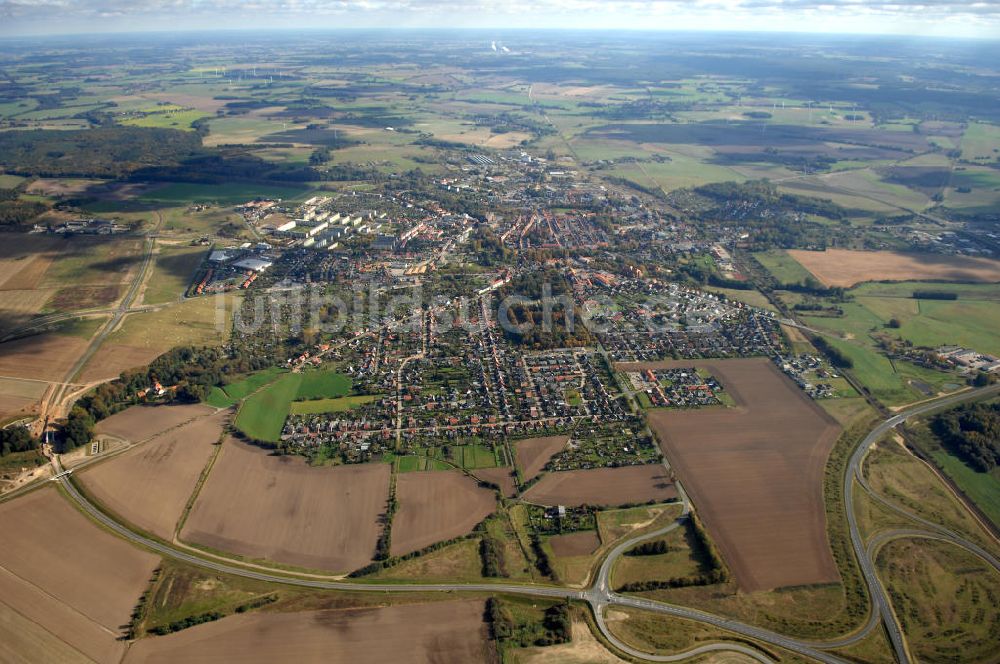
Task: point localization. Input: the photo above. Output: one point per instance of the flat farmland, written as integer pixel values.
(608, 487)
(582, 543)
(149, 485)
(533, 453)
(110, 360)
(140, 423)
(436, 506)
(66, 575)
(435, 633)
(502, 476)
(846, 267)
(281, 509)
(755, 472)
(41, 357)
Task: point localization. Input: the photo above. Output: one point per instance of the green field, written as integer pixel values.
(230, 193)
(337, 405)
(982, 488)
(470, 457)
(263, 414)
(981, 142)
(783, 268)
(171, 119)
(323, 385)
(229, 394)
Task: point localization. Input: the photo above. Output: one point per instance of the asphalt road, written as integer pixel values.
(600, 596)
(875, 589)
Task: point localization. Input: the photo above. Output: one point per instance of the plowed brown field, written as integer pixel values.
(582, 543)
(845, 267)
(435, 633)
(62, 572)
(436, 505)
(140, 423)
(533, 453)
(755, 472)
(604, 486)
(282, 509)
(150, 484)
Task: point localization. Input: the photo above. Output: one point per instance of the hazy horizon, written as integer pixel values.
(954, 18)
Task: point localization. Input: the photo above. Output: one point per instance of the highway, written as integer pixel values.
(600, 596)
(875, 589)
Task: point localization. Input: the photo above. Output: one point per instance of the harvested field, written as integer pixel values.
(42, 357)
(755, 472)
(582, 543)
(111, 360)
(604, 486)
(436, 506)
(82, 599)
(19, 396)
(844, 267)
(140, 423)
(281, 509)
(435, 633)
(533, 453)
(150, 484)
(502, 477)
(23, 641)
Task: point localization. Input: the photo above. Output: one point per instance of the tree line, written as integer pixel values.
(971, 432)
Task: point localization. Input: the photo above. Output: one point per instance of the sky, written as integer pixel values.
(950, 18)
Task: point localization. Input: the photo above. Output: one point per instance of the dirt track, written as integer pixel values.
(604, 486)
(434, 633)
(755, 473)
(844, 267)
(436, 505)
(150, 484)
(281, 509)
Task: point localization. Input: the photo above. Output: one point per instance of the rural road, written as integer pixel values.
(875, 588)
(600, 596)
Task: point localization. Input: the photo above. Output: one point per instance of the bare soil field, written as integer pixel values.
(23, 642)
(501, 476)
(582, 543)
(111, 360)
(434, 633)
(604, 486)
(140, 423)
(150, 484)
(281, 509)
(18, 397)
(24, 263)
(533, 453)
(844, 267)
(755, 472)
(435, 506)
(62, 572)
(42, 357)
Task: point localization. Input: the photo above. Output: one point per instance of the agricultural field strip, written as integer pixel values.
(593, 595)
(598, 595)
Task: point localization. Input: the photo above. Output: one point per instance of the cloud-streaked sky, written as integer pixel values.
(972, 18)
